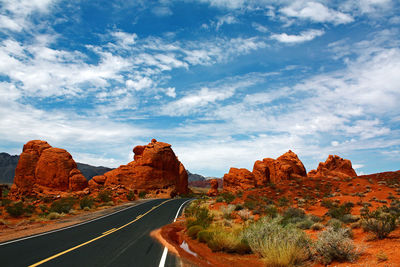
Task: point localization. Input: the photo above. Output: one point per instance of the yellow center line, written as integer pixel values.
(110, 231)
(113, 230)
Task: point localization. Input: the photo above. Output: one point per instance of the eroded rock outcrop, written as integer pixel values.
(41, 167)
(213, 191)
(155, 169)
(334, 166)
(286, 167)
(238, 180)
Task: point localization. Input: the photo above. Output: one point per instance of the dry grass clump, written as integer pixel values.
(227, 239)
(278, 245)
(227, 211)
(334, 244)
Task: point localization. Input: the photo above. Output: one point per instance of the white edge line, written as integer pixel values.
(165, 251)
(72, 226)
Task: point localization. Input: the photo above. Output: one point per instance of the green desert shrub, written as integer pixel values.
(130, 195)
(204, 236)
(104, 196)
(16, 209)
(334, 245)
(228, 197)
(335, 224)
(339, 212)
(197, 215)
(293, 215)
(283, 202)
(86, 201)
(142, 194)
(271, 211)
(194, 230)
(62, 205)
(379, 222)
(278, 245)
(317, 226)
(315, 218)
(305, 224)
(5, 202)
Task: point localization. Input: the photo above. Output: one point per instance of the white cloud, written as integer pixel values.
(335, 143)
(162, 11)
(259, 27)
(193, 101)
(357, 166)
(227, 19)
(125, 39)
(302, 37)
(15, 13)
(370, 7)
(11, 24)
(170, 91)
(139, 83)
(230, 4)
(316, 12)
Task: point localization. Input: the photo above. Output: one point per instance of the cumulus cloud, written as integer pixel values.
(302, 37)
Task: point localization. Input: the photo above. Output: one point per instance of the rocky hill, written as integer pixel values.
(8, 163)
(195, 177)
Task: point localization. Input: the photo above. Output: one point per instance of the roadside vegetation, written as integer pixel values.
(278, 231)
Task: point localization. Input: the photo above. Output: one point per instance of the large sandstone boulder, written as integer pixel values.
(213, 191)
(238, 180)
(286, 167)
(41, 165)
(155, 169)
(334, 166)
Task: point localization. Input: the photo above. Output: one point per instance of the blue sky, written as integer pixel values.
(226, 82)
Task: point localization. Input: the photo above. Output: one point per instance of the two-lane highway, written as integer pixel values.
(120, 239)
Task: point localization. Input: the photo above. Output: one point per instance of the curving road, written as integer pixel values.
(119, 239)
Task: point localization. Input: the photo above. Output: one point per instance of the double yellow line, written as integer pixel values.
(113, 230)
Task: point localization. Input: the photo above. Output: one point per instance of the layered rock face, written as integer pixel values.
(334, 166)
(155, 168)
(213, 191)
(286, 167)
(42, 166)
(238, 180)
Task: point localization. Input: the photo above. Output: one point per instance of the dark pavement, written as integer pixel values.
(130, 245)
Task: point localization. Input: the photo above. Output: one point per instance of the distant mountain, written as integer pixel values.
(89, 171)
(8, 164)
(7, 167)
(195, 177)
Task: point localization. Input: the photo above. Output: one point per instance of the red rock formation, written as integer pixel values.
(155, 168)
(41, 165)
(214, 188)
(238, 180)
(286, 167)
(334, 166)
(77, 181)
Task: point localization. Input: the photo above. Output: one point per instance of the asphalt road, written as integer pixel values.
(121, 239)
